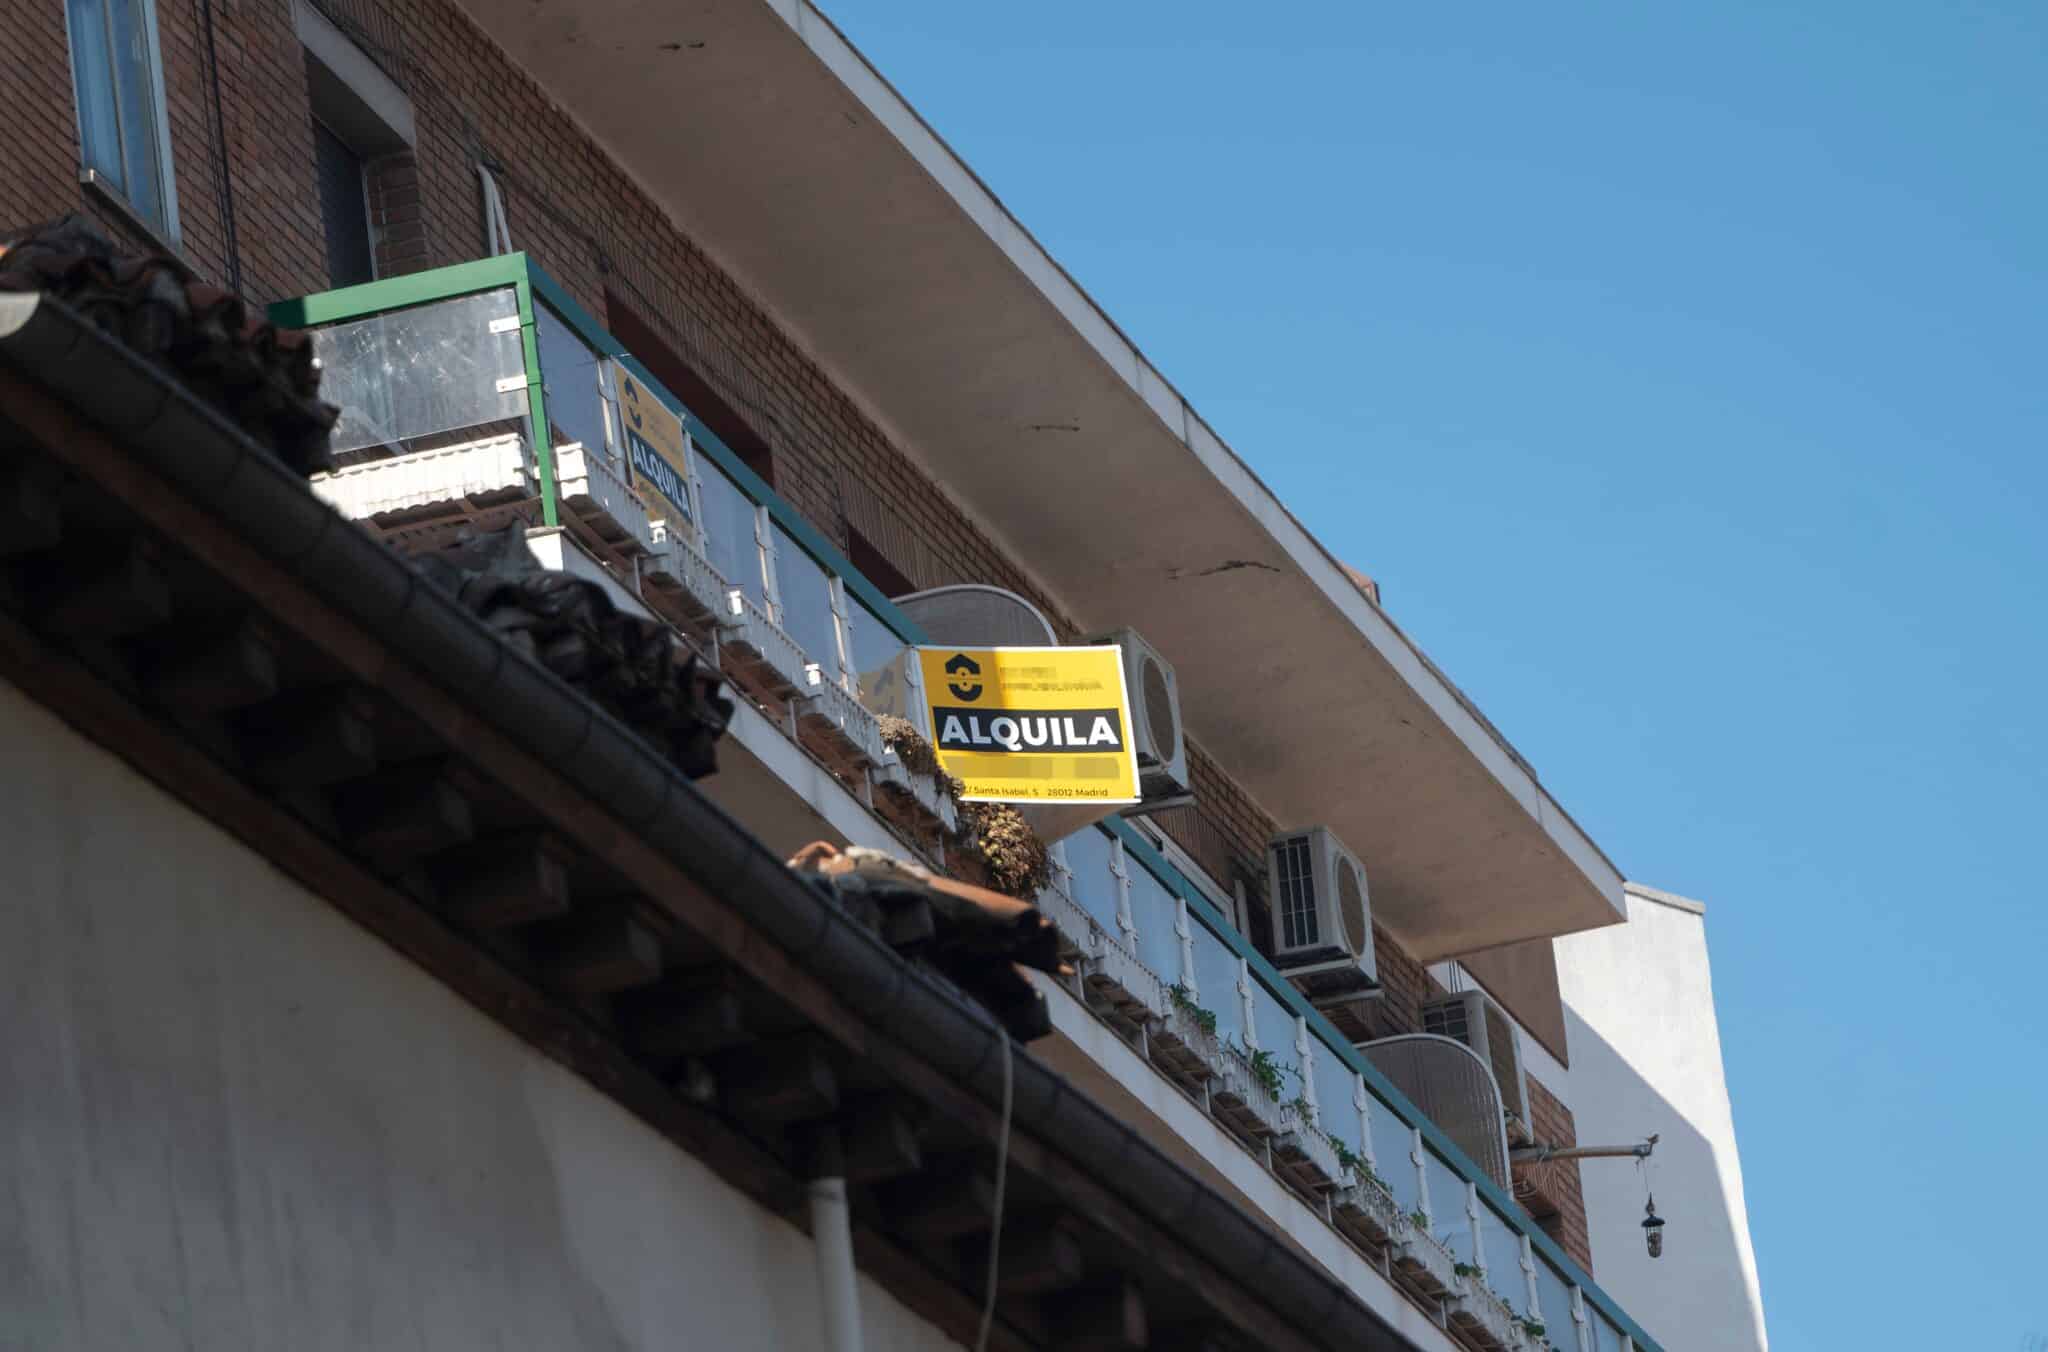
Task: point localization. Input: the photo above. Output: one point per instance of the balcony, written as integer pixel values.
(837, 206)
(445, 378)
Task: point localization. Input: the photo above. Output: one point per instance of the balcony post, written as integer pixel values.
(1582, 1325)
(1119, 868)
(1187, 949)
(1472, 1214)
(1062, 872)
(538, 428)
(694, 485)
(1417, 1155)
(842, 633)
(1532, 1292)
(1362, 1101)
(1248, 1010)
(764, 546)
(1305, 1057)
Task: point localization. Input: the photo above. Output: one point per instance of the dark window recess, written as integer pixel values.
(875, 566)
(344, 209)
(667, 366)
(1258, 923)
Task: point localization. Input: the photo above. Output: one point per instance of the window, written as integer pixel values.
(875, 566)
(344, 209)
(121, 139)
(362, 132)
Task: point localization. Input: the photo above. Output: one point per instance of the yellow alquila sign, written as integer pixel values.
(1032, 725)
(654, 443)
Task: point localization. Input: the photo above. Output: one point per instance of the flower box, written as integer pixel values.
(759, 651)
(448, 479)
(1076, 927)
(1483, 1317)
(1303, 1155)
(1121, 986)
(591, 487)
(1366, 1211)
(1189, 1054)
(1241, 1102)
(835, 725)
(679, 571)
(1423, 1262)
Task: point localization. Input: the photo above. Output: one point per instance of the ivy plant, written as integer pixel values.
(1266, 1072)
(1205, 1019)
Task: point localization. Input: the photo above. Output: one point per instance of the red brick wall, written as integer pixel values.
(41, 179)
(586, 222)
(1552, 1192)
(397, 221)
(1406, 986)
(266, 119)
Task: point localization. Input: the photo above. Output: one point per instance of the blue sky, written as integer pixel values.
(1679, 371)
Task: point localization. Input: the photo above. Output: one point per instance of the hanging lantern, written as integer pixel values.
(1653, 1228)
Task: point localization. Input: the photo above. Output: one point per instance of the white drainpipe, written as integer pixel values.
(832, 1234)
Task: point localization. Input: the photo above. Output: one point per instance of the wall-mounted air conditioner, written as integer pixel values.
(1155, 723)
(1322, 914)
(1475, 1020)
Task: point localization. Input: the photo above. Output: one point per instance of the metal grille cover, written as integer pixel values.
(1297, 894)
(1450, 1084)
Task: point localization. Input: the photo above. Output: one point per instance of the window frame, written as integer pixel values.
(362, 189)
(165, 230)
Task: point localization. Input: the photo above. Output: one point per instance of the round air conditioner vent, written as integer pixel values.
(1351, 904)
(1159, 719)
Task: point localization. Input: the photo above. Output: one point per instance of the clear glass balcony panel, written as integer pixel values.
(806, 603)
(1501, 1247)
(1095, 886)
(1275, 1028)
(1216, 982)
(1336, 1113)
(729, 532)
(1447, 1207)
(1557, 1303)
(1154, 910)
(880, 662)
(1391, 1142)
(433, 371)
(571, 378)
(1606, 1337)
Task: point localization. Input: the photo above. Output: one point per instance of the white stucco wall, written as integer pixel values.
(230, 1119)
(1646, 1057)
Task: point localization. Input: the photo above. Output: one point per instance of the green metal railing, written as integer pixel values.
(530, 284)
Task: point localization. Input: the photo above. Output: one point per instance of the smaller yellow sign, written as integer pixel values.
(1032, 725)
(655, 448)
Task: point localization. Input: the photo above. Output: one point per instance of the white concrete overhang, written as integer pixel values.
(775, 145)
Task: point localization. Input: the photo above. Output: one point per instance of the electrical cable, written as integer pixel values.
(224, 193)
(995, 1238)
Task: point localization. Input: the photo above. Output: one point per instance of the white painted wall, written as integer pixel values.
(1646, 1057)
(231, 1119)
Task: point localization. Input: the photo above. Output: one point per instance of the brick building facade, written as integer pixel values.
(235, 78)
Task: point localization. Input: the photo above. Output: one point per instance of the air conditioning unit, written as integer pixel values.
(1475, 1020)
(1155, 720)
(1322, 914)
